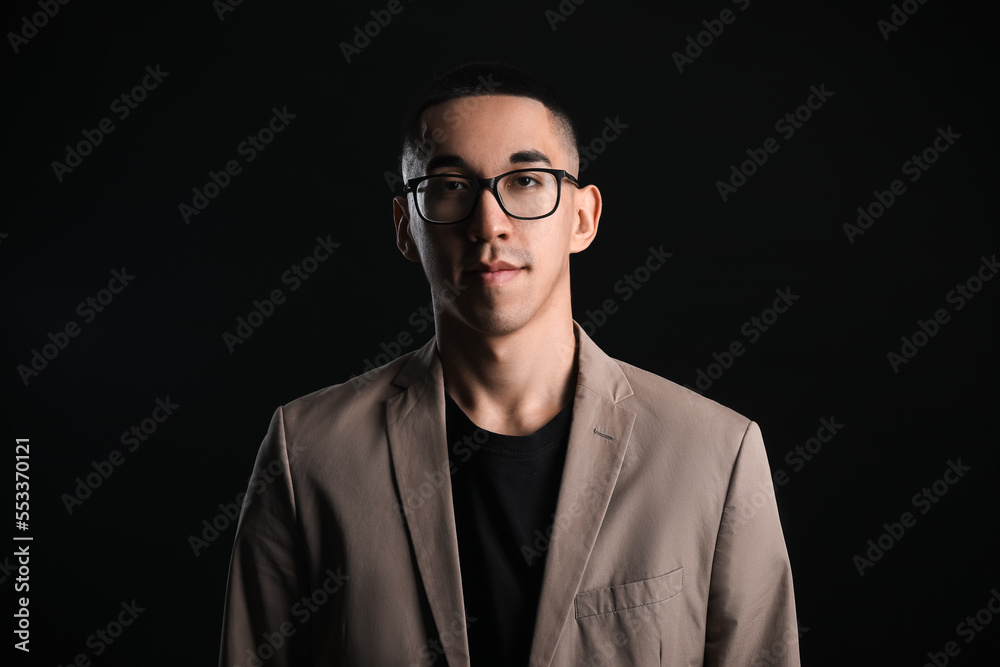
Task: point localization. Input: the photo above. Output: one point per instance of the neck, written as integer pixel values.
(513, 383)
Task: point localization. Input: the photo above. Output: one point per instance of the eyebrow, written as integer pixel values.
(439, 161)
(531, 155)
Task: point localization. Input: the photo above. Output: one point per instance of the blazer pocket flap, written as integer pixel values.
(630, 595)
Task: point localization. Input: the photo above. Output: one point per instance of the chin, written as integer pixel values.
(498, 324)
(495, 321)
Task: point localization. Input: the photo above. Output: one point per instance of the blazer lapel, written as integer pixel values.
(598, 438)
(417, 442)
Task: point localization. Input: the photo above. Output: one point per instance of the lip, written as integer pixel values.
(495, 273)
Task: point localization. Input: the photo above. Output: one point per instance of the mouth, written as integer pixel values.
(495, 273)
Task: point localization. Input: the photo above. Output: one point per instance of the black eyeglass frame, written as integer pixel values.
(481, 184)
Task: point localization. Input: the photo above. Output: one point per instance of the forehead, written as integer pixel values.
(486, 129)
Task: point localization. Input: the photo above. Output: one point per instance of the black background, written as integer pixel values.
(325, 175)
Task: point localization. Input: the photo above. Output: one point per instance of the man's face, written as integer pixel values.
(482, 137)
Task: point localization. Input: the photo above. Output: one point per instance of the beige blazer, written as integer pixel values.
(665, 547)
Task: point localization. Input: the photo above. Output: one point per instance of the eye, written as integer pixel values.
(455, 184)
(525, 181)
(446, 184)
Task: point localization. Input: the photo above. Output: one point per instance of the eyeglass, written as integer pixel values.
(524, 194)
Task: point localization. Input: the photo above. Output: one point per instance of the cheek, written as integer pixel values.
(553, 240)
(438, 248)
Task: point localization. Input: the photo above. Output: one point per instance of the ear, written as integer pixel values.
(401, 218)
(587, 215)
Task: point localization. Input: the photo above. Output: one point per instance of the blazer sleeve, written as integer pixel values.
(751, 605)
(266, 573)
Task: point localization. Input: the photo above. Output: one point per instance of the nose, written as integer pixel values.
(488, 221)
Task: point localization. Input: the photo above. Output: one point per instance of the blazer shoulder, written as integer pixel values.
(675, 405)
(354, 399)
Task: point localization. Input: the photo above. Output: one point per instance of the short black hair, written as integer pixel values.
(486, 78)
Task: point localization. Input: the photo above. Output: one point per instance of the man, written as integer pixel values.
(508, 494)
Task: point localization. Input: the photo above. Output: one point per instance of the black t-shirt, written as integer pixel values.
(504, 489)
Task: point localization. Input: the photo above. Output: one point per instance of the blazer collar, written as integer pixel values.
(597, 371)
(599, 434)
